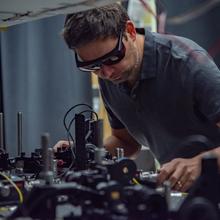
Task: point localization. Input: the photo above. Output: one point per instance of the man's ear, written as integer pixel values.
(130, 29)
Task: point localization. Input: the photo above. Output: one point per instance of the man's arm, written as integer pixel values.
(121, 138)
(215, 151)
(182, 173)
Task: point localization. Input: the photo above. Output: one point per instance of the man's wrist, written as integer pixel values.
(215, 152)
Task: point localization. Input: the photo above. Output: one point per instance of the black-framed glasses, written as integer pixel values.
(113, 57)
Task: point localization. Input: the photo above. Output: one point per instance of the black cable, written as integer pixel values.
(72, 120)
(73, 107)
(69, 135)
(66, 114)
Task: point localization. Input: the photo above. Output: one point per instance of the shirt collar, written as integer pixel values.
(148, 69)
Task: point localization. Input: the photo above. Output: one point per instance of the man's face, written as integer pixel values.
(118, 72)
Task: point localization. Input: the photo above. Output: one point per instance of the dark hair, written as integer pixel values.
(98, 23)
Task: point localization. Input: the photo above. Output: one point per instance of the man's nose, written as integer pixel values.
(107, 71)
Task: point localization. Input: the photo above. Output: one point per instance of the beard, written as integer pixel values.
(131, 74)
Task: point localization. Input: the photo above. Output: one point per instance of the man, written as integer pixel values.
(157, 89)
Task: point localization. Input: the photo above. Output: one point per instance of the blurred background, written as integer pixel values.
(38, 76)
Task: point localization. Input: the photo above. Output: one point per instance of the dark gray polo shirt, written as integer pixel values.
(177, 95)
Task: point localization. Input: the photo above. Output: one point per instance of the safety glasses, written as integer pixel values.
(113, 57)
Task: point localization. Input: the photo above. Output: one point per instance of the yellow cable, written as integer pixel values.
(135, 181)
(15, 186)
(3, 28)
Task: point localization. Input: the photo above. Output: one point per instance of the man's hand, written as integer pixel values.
(181, 173)
(62, 144)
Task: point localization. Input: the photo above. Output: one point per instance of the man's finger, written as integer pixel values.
(165, 172)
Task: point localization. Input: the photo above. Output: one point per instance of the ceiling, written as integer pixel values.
(19, 11)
